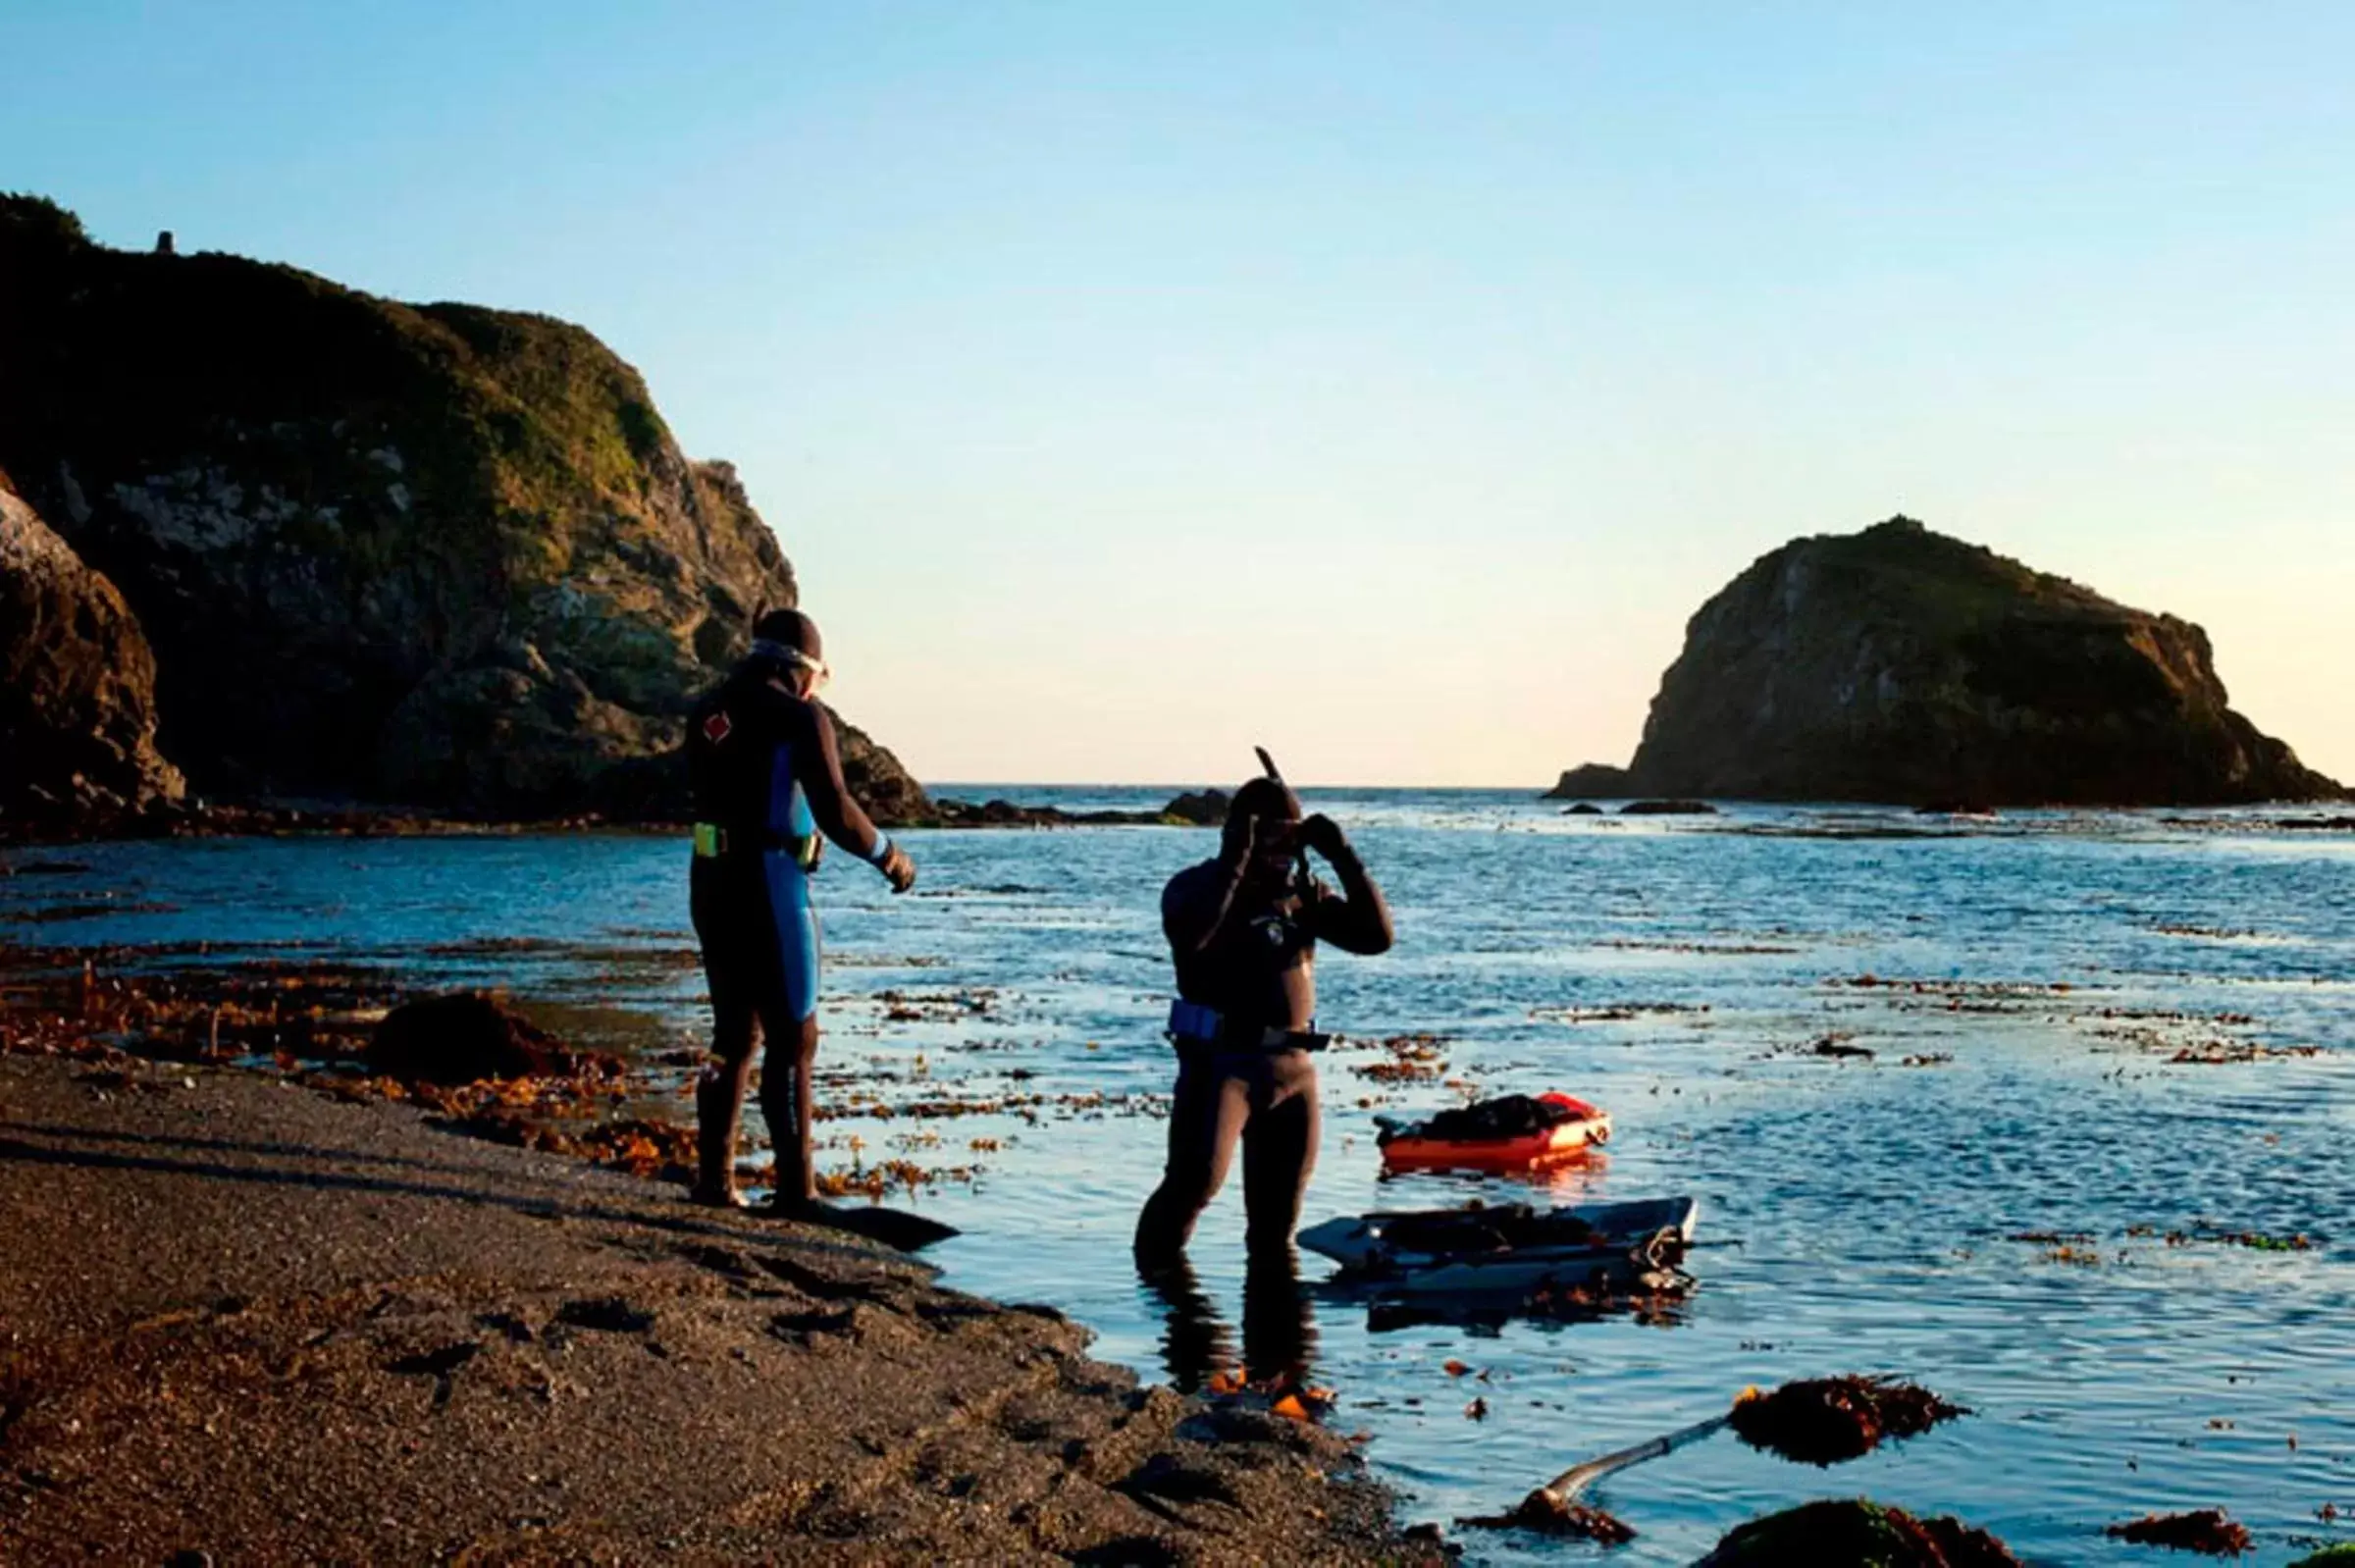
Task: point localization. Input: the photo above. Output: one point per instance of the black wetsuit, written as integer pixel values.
(767, 774)
(1249, 952)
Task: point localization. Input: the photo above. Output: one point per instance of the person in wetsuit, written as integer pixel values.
(767, 781)
(1243, 930)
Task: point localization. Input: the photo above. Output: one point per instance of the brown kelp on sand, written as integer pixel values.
(356, 1033)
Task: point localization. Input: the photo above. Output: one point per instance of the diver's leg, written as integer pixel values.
(719, 1105)
(1206, 1117)
(1280, 1153)
(785, 1103)
(735, 1030)
(790, 1018)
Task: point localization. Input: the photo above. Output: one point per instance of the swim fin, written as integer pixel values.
(894, 1228)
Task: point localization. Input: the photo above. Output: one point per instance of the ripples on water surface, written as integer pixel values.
(1677, 971)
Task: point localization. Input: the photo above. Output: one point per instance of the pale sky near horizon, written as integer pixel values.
(1386, 382)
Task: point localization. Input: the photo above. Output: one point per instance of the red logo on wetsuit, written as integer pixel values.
(717, 727)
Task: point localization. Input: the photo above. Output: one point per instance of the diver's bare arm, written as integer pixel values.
(1359, 919)
(838, 813)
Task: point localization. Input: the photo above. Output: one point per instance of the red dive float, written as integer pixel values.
(1514, 1132)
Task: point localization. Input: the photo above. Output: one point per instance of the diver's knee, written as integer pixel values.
(1159, 1241)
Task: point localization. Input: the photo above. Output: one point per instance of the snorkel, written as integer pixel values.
(1301, 875)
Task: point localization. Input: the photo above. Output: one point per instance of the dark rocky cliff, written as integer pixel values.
(436, 556)
(1901, 665)
(77, 688)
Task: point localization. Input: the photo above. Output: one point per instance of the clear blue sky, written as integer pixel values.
(1384, 382)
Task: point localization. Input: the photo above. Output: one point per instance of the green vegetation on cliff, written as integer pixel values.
(437, 554)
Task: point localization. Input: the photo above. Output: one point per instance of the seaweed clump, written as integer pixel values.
(1857, 1534)
(1822, 1420)
(1552, 1514)
(2205, 1530)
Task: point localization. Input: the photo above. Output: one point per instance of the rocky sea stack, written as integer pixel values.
(1901, 665)
(434, 556)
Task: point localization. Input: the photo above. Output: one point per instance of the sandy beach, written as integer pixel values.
(245, 1319)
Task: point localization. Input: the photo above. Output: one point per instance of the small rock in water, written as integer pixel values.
(1822, 1420)
(2342, 1555)
(1551, 1515)
(1856, 1532)
(2206, 1530)
(461, 1038)
(1668, 809)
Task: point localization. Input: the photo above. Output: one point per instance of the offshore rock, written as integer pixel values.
(1201, 808)
(1592, 781)
(76, 689)
(437, 554)
(1901, 665)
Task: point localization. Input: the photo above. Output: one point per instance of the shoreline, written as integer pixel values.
(1186, 812)
(247, 1316)
(353, 819)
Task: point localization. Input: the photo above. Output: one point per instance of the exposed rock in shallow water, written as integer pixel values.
(2209, 1531)
(1823, 1421)
(1205, 810)
(2342, 1555)
(1547, 1514)
(77, 688)
(1203, 807)
(437, 554)
(1857, 1533)
(466, 1037)
(1901, 665)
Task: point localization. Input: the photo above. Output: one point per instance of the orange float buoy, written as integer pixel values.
(1586, 1127)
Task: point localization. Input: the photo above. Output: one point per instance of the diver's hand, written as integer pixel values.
(1324, 835)
(898, 870)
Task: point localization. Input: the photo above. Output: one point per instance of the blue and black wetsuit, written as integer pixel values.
(768, 780)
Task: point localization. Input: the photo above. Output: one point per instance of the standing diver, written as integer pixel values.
(1243, 930)
(767, 781)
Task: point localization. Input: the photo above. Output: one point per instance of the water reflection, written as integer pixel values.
(1280, 1325)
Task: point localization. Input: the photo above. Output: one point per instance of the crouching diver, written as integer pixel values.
(768, 782)
(1243, 930)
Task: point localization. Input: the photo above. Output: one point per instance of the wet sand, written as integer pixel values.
(241, 1318)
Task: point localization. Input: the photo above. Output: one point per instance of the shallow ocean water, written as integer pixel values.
(1864, 1214)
